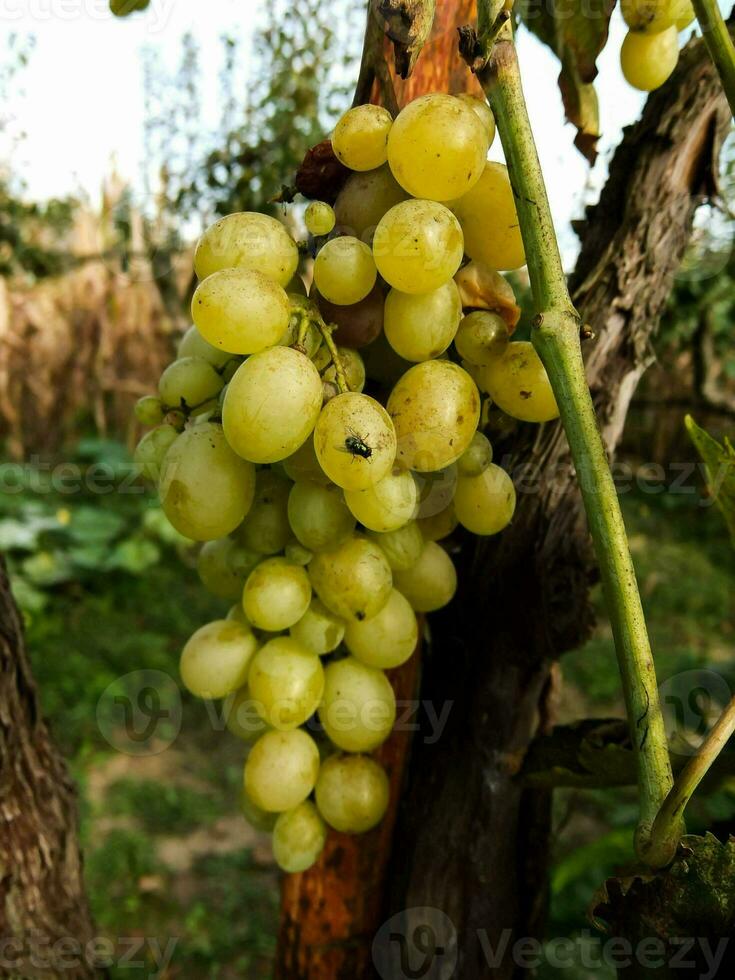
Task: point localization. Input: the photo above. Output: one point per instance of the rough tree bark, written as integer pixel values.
(470, 840)
(44, 917)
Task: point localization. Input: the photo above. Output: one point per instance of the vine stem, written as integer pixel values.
(339, 370)
(556, 337)
(672, 809)
(719, 44)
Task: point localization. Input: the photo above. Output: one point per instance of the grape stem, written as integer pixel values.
(326, 332)
(669, 816)
(556, 337)
(719, 44)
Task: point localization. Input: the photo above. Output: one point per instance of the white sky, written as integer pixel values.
(83, 101)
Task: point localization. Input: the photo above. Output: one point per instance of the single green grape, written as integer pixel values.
(344, 271)
(216, 660)
(240, 311)
(484, 114)
(435, 409)
(481, 337)
(286, 682)
(401, 547)
(360, 138)
(319, 218)
(354, 581)
(421, 327)
(188, 383)
(149, 410)
(250, 241)
(299, 837)
(303, 466)
(257, 818)
(655, 16)
(355, 441)
(647, 60)
(363, 201)
(241, 716)
(281, 770)
(272, 405)
(437, 527)
(518, 384)
(205, 489)
(490, 204)
(151, 451)
(223, 567)
(192, 344)
(387, 640)
(477, 457)
(388, 505)
(353, 367)
(319, 630)
(319, 517)
(437, 147)
(485, 503)
(418, 246)
(352, 793)
(277, 594)
(266, 528)
(358, 708)
(431, 583)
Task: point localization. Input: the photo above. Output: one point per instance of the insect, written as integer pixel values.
(356, 446)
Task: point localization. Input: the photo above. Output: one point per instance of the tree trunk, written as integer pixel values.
(45, 923)
(468, 873)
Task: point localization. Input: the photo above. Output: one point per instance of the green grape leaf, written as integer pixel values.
(719, 462)
(30, 600)
(90, 526)
(576, 31)
(135, 555)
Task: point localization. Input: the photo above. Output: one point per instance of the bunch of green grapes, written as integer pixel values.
(650, 50)
(323, 448)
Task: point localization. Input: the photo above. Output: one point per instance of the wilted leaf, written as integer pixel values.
(719, 463)
(577, 31)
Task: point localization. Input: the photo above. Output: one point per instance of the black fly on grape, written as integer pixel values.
(356, 446)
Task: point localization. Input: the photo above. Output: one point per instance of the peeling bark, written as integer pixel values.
(42, 900)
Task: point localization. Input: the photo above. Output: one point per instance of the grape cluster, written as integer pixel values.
(650, 50)
(321, 448)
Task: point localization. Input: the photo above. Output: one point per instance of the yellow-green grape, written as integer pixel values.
(432, 582)
(352, 793)
(224, 566)
(206, 489)
(654, 16)
(240, 311)
(266, 528)
(277, 594)
(402, 547)
(485, 504)
(418, 246)
(319, 630)
(344, 270)
(149, 410)
(299, 837)
(286, 682)
(257, 818)
(297, 553)
(436, 490)
(251, 241)
(489, 221)
(237, 614)
(272, 405)
(216, 660)
(319, 517)
(353, 367)
(484, 114)
(518, 384)
(437, 147)
(477, 457)
(281, 770)
(241, 716)
(388, 639)
(481, 336)
(364, 199)
(354, 581)
(437, 527)
(420, 327)
(304, 467)
(360, 138)
(192, 344)
(189, 382)
(435, 409)
(358, 709)
(355, 441)
(647, 60)
(151, 450)
(388, 505)
(319, 218)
